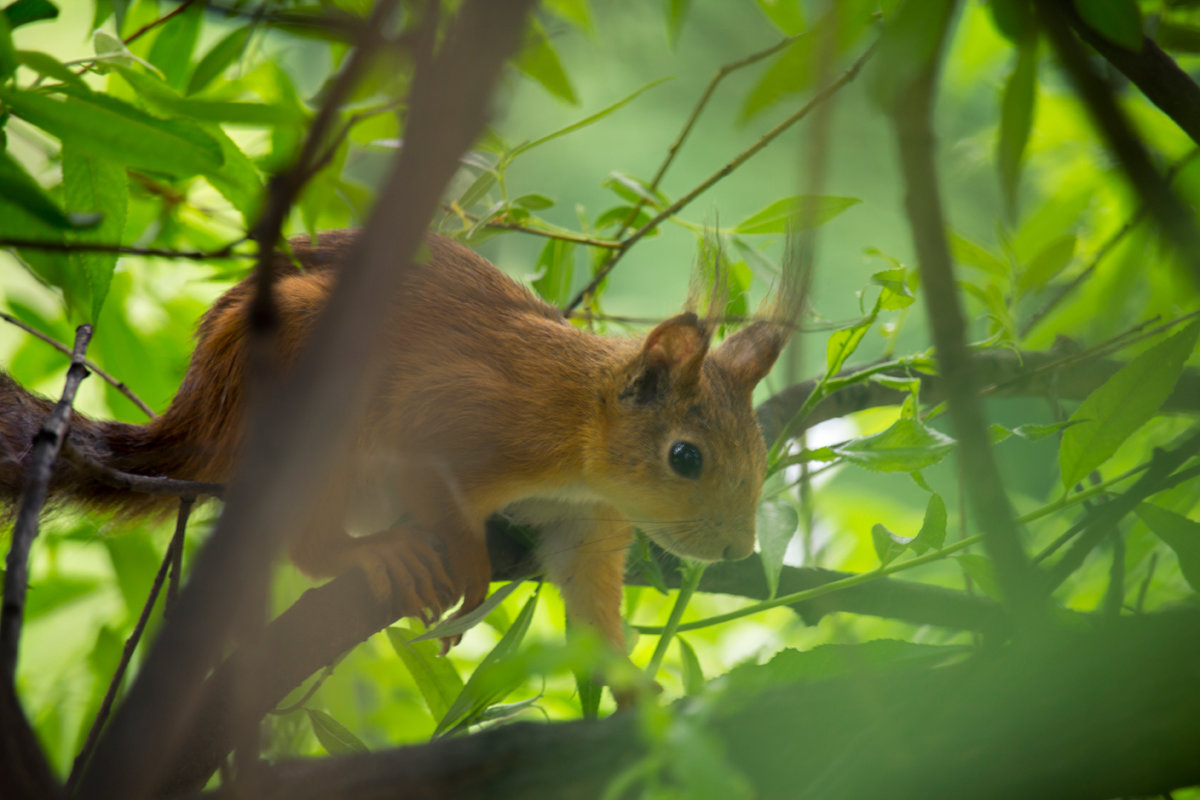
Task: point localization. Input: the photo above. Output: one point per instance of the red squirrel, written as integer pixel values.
(491, 401)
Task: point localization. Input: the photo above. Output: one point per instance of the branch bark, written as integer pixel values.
(291, 441)
(1098, 713)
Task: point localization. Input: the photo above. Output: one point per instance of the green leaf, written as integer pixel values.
(534, 202)
(1033, 431)
(161, 97)
(490, 682)
(436, 678)
(219, 58)
(50, 67)
(335, 737)
(583, 123)
(634, 190)
(777, 523)
(575, 12)
(796, 213)
(1016, 121)
(555, 270)
(1180, 534)
(693, 673)
(790, 72)
(842, 343)
(1049, 261)
(1122, 404)
(969, 254)
(907, 47)
(896, 294)
(23, 12)
(933, 528)
(8, 53)
(1177, 37)
(109, 128)
(675, 12)
(904, 447)
(786, 15)
(237, 180)
(887, 544)
(19, 187)
(174, 44)
(458, 625)
(94, 184)
(1119, 21)
(539, 61)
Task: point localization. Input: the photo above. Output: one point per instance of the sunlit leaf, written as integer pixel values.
(555, 271)
(539, 61)
(786, 15)
(904, 447)
(1016, 121)
(49, 66)
(219, 58)
(969, 254)
(174, 44)
(795, 213)
(94, 184)
(436, 678)
(1122, 404)
(693, 673)
(459, 625)
(1049, 261)
(490, 682)
(109, 128)
(790, 72)
(335, 737)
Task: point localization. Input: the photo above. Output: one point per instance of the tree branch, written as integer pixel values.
(911, 118)
(33, 497)
(768, 137)
(294, 435)
(1086, 714)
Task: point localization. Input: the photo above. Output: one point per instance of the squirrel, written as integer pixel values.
(491, 401)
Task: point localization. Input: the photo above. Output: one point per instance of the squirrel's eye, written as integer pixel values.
(685, 459)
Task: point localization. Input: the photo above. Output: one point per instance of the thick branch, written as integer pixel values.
(293, 438)
(989, 504)
(1097, 714)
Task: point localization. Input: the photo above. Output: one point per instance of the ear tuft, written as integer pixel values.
(750, 353)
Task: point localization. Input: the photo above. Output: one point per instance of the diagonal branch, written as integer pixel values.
(37, 486)
(911, 117)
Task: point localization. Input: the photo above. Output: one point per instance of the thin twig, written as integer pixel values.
(1103, 251)
(1145, 587)
(101, 247)
(149, 26)
(91, 366)
(562, 236)
(144, 484)
(768, 137)
(46, 445)
(176, 546)
(308, 693)
(722, 72)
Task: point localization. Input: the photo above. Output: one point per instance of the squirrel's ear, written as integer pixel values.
(677, 346)
(750, 353)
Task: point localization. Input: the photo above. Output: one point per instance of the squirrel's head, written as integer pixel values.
(680, 451)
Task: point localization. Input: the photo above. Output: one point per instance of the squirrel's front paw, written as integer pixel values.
(406, 566)
(422, 574)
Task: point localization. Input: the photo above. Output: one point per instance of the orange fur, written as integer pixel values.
(491, 400)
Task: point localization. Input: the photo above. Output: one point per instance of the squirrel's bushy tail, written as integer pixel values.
(138, 449)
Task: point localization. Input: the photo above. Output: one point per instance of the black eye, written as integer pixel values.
(685, 459)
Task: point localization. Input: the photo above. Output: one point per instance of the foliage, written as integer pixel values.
(138, 141)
